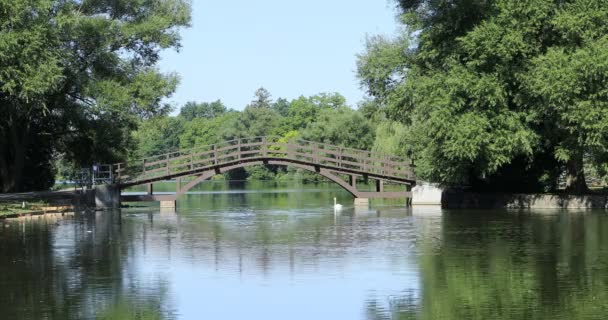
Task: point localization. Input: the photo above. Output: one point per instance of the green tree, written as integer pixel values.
(332, 100)
(158, 135)
(76, 78)
(567, 87)
(390, 136)
(304, 111)
(207, 110)
(256, 120)
(204, 131)
(253, 122)
(261, 99)
(372, 110)
(489, 87)
(281, 106)
(342, 126)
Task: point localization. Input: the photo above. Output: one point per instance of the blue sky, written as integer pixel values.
(291, 48)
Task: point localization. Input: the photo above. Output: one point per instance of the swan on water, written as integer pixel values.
(337, 206)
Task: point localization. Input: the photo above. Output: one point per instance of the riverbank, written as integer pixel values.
(19, 210)
(423, 194)
(15, 205)
(454, 199)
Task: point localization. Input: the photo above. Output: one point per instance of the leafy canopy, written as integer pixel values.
(76, 76)
(489, 86)
(202, 110)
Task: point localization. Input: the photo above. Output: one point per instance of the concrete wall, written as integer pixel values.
(107, 196)
(426, 194)
(468, 200)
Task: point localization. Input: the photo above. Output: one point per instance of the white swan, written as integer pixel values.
(337, 206)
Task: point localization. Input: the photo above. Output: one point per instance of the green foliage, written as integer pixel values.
(24, 32)
(569, 87)
(207, 110)
(254, 122)
(301, 113)
(158, 136)
(281, 106)
(323, 118)
(259, 173)
(304, 111)
(390, 137)
(342, 126)
(293, 134)
(205, 131)
(381, 68)
(261, 99)
(486, 87)
(372, 110)
(328, 100)
(77, 77)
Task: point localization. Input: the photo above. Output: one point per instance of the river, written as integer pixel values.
(277, 251)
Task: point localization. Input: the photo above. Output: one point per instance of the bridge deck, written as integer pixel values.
(247, 151)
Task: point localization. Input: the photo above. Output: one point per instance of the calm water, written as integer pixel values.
(260, 251)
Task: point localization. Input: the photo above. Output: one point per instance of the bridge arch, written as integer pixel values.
(278, 162)
(327, 160)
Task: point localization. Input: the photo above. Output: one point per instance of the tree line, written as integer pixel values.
(324, 117)
(498, 95)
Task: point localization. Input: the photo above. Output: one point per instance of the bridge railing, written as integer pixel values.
(249, 149)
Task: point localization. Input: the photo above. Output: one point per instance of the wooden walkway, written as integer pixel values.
(339, 164)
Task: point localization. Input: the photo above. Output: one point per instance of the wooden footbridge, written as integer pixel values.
(344, 166)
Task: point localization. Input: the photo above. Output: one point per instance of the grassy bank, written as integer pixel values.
(17, 208)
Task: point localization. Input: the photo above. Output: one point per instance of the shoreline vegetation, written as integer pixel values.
(513, 100)
(11, 210)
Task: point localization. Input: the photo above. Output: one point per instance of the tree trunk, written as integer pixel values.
(4, 172)
(575, 176)
(13, 159)
(20, 142)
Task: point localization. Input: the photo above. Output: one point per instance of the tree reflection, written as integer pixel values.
(129, 310)
(511, 267)
(72, 268)
(461, 265)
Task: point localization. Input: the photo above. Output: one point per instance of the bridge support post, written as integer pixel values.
(107, 196)
(408, 200)
(379, 186)
(352, 180)
(168, 204)
(361, 202)
(150, 189)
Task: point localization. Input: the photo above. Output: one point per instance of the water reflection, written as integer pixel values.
(280, 255)
(511, 266)
(73, 268)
